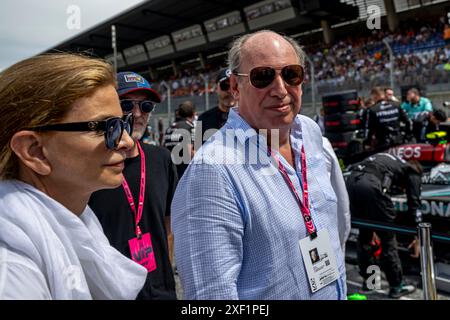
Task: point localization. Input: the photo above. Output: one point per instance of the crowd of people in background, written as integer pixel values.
(366, 60)
(421, 52)
(419, 55)
(189, 82)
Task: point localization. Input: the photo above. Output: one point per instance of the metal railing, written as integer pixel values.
(375, 225)
(427, 262)
(426, 248)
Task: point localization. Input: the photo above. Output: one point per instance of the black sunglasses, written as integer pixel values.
(224, 85)
(262, 77)
(113, 128)
(145, 105)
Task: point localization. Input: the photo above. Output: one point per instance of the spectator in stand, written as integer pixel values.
(362, 61)
(415, 103)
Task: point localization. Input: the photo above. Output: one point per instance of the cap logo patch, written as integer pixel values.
(133, 78)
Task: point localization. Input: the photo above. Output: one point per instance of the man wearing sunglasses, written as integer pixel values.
(135, 216)
(256, 198)
(216, 117)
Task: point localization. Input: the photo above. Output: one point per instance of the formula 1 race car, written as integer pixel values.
(435, 159)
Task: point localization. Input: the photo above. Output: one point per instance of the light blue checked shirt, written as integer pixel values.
(237, 225)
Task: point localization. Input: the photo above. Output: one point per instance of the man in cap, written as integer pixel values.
(135, 216)
(216, 117)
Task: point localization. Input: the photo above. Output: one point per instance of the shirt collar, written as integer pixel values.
(242, 129)
(235, 121)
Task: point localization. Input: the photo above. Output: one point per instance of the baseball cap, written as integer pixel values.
(223, 74)
(130, 82)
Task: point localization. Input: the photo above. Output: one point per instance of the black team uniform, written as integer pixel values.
(172, 138)
(368, 187)
(384, 125)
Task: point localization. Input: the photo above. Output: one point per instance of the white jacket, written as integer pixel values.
(47, 252)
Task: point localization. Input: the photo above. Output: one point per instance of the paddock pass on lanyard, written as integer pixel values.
(317, 253)
(304, 205)
(141, 247)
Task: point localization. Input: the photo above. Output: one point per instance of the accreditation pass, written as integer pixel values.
(319, 259)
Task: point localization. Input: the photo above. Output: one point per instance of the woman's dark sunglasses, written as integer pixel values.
(145, 106)
(224, 85)
(262, 77)
(113, 128)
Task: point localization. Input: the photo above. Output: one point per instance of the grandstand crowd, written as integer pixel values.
(421, 54)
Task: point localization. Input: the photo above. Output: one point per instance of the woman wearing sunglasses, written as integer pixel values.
(63, 137)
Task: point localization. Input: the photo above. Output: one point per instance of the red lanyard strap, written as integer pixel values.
(129, 195)
(304, 205)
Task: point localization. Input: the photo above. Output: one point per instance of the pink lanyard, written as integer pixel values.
(126, 188)
(304, 206)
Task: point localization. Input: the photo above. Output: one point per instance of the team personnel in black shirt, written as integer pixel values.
(368, 187)
(385, 122)
(216, 117)
(182, 131)
(135, 216)
(426, 122)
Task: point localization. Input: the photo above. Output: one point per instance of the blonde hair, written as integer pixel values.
(41, 90)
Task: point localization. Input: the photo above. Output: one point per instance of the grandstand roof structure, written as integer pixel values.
(157, 19)
(148, 20)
